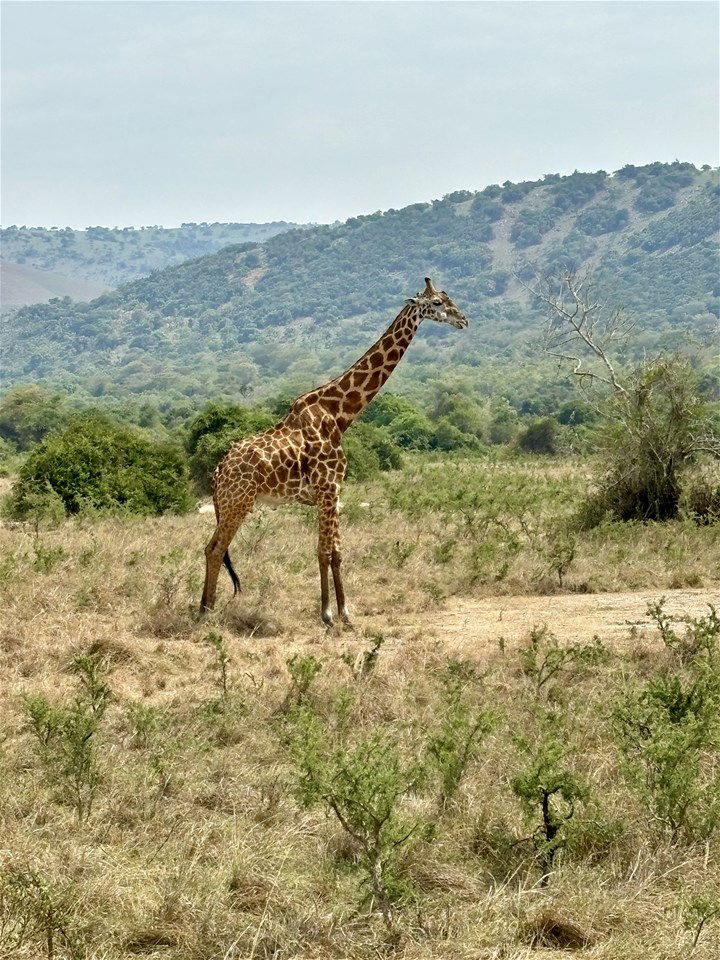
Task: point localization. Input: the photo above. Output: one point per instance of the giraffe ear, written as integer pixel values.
(429, 288)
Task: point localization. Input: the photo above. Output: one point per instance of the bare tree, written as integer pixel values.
(579, 323)
(658, 424)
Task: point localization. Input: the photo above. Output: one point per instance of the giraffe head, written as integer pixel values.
(437, 305)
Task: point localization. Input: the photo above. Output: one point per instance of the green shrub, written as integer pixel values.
(36, 915)
(42, 508)
(503, 422)
(385, 408)
(650, 442)
(447, 436)
(28, 414)
(68, 735)
(539, 437)
(217, 418)
(303, 671)
(700, 638)
(212, 432)
(46, 558)
(460, 732)
(363, 784)
(100, 464)
(208, 452)
(576, 189)
(543, 659)
(548, 789)
(667, 733)
(369, 449)
(412, 430)
(145, 721)
(698, 910)
(531, 225)
(602, 218)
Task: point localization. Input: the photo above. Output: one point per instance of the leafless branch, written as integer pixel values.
(578, 320)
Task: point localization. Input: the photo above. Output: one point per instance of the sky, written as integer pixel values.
(129, 113)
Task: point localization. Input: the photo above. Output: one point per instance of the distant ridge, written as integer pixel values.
(105, 257)
(21, 284)
(300, 305)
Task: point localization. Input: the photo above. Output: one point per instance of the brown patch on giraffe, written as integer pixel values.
(331, 404)
(374, 380)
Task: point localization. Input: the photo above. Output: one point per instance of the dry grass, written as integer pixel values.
(197, 848)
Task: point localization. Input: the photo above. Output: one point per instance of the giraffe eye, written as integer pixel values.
(437, 301)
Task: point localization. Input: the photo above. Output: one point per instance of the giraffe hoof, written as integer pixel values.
(327, 618)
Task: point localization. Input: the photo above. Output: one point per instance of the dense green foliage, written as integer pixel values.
(540, 436)
(656, 428)
(116, 255)
(27, 414)
(99, 464)
(305, 303)
(213, 430)
(667, 728)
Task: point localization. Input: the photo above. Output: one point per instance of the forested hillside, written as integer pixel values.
(299, 306)
(102, 257)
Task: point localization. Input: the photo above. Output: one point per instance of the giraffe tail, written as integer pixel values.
(231, 570)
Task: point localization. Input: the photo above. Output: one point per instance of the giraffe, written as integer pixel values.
(301, 460)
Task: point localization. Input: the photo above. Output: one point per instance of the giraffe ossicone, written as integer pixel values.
(301, 460)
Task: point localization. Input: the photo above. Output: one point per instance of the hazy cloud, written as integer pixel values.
(130, 113)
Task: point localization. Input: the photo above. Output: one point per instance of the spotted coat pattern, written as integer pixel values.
(301, 460)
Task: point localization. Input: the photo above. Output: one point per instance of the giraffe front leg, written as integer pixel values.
(329, 558)
(325, 611)
(335, 561)
(327, 539)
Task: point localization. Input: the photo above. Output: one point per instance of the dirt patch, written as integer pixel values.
(472, 625)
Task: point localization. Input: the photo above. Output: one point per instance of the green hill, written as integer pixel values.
(103, 257)
(299, 306)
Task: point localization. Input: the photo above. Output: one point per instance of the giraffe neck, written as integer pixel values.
(346, 396)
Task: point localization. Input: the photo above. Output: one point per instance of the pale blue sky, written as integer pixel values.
(119, 113)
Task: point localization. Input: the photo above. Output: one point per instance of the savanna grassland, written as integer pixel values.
(254, 786)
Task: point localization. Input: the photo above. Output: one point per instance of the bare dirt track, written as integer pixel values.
(469, 625)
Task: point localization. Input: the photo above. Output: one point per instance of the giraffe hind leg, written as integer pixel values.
(217, 554)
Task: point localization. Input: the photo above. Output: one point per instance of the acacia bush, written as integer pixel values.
(547, 784)
(219, 418)
(653, 437)
(28, 414)
(100, 464)
(667, 732)
(540, 436)
(363, 783)
(657, 424)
